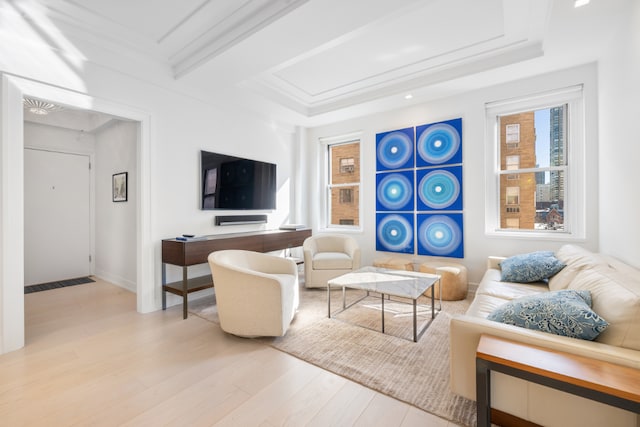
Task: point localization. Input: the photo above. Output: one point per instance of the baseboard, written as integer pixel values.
(116, 280)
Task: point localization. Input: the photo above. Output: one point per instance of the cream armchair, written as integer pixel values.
(327, 256)
(257, 294)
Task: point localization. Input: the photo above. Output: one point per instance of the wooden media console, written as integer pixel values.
(191, 252)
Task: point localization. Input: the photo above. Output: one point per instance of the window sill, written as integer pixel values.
(535, 235)
(345, 230)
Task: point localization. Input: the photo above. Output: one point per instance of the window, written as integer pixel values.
(535, 187)
(512, 135)
(513, 163)
(512, 196)
(347, 165)
(343, 182)
(346, 195)
(513, 223)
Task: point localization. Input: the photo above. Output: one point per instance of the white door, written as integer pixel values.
(57, 238)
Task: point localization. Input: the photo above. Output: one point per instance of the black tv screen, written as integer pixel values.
(230, 182)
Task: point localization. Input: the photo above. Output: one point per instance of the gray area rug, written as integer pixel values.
(351, 345)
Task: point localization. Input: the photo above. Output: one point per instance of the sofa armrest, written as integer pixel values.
(465, 334)
(494, 262)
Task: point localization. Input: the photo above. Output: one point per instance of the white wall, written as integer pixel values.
(620, 142)
(115, 249)
(180, 123)
(58, 139)
(471, 108)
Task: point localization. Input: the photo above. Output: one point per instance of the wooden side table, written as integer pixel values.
(605, 382)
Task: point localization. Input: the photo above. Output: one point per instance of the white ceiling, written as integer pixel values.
(309, 62)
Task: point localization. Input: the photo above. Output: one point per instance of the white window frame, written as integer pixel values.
(325, 217)
(575, 176)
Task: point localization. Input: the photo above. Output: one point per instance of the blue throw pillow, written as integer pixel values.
(532, 267)
(565, 312)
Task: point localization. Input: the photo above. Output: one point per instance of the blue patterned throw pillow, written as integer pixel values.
(565, 312)
(531, 267)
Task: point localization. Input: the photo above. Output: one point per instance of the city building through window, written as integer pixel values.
(532, 190)
(343, 186)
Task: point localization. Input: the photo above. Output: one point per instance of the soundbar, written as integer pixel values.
(241, 219)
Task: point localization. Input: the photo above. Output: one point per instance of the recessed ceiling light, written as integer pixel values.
(408, 96)
(40, 108)
(580, 3)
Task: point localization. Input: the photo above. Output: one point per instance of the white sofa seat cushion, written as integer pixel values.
(492, 286)
(483, 305)
(332, 261)
(492, 293)
(615, 297)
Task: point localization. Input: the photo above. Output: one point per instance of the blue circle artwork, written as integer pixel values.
(438, 143)
(440, 235)
(395, 192)
(395, 233)
(439, 189)
(395, 150)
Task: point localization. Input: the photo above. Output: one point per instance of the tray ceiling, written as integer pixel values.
(316, 57)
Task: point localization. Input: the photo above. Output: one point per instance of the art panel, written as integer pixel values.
(441, 235)
(394, 191)
(419, 197)
(394, 150)
(439, 189)
(394, 232)
(439, 143)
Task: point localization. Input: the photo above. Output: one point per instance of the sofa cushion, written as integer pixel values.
(564, 312)
(332, 261)
(493, 286)
(484, 305)
(616, 297)
(575, 258)
(531, 267)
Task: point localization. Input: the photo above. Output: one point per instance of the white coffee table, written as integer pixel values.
(396, 283)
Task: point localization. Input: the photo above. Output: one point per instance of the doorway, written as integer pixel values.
(12, 91)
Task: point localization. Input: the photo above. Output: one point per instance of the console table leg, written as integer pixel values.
(164, 282)
(184, 292)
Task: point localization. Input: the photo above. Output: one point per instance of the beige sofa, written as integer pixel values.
(615, 293)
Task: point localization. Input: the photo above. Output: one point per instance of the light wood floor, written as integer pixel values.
(91, 360)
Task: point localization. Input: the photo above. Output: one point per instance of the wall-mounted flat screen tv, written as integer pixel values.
(230, 182)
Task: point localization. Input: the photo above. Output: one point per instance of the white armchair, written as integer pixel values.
(257, 294)
(327, 256)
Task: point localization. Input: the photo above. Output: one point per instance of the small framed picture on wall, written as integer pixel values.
(119, 186)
